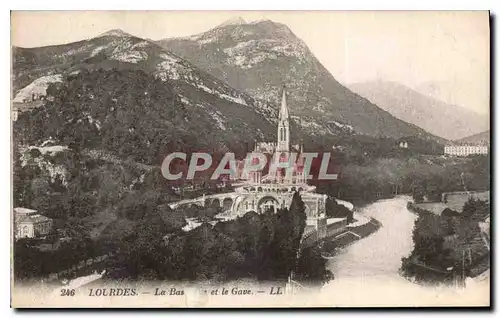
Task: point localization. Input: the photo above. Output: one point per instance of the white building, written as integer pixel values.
(29, 223)
(465, 150)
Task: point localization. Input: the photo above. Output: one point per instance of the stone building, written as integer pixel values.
(29, 223)
(260, 193)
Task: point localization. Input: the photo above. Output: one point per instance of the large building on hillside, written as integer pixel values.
(259, 193)
(465, 150)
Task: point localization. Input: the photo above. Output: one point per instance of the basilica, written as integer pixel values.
(291, 169)
(275, 189)
(259, 191)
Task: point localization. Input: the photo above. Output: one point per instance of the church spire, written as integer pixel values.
(283, 125)
(284, 108)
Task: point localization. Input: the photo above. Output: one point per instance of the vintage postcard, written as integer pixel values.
(250, 159)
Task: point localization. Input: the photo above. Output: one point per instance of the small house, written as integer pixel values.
(29, 223)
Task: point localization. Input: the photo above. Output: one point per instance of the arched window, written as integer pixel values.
(25, 230)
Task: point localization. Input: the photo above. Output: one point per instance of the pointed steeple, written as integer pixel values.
(283, 126)
(284, 108)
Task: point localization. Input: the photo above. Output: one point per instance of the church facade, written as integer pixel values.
(275, 189)
(261, 192)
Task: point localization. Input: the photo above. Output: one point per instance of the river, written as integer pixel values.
(367, 272)
(380, 253)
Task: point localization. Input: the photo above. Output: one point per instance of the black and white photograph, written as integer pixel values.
(250, 159)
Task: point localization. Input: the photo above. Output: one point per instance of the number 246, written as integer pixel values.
(67, 292)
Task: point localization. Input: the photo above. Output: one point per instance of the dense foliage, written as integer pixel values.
(31, 261)
(150, 244)
(256, 246)
(419, 176)
(129, 113)
(336, 210)
(448, 247)
(311, 267)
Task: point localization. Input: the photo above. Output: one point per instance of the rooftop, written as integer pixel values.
(37, 218)
(20, 210)
(335, 220)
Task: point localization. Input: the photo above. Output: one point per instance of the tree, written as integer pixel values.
(475, 207)
(19, 182)
(418, 193)
(336, 210)
(449, 212)
(27, 260)
(311, 267)
(287, 236)
(143, 250)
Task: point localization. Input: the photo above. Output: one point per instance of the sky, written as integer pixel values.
(443, 52)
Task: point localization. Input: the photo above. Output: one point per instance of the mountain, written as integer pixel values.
(480, 138)
(116, 32)
(226, 116)
(235, 117)
(439, 118)
(447, 91)
(258, 57)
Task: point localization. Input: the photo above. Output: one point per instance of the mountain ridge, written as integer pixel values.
(479, 138)
(257, 57)
(237, 118)
(115, 32)
(412, 106)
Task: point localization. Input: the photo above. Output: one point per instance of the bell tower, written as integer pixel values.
(283, 126)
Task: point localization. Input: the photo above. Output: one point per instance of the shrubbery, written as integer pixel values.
(336, 210)
(444, 243)
(256, 246)
(419, 176)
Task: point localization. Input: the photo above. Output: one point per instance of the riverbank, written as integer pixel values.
(370, 268)
(450, 200)
(464, 239)
(352, 233)
(379, 252)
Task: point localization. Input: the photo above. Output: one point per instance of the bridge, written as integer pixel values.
(260, 197)
(220, 199)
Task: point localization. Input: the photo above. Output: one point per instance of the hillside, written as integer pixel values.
(423, 111)
(236, 118)
(129, 113)
(260, 56)
(480, 138)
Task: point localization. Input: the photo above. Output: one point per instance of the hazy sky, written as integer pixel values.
(448, 51)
